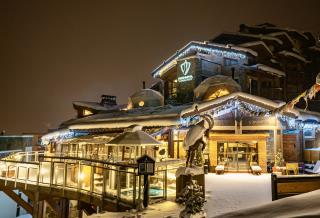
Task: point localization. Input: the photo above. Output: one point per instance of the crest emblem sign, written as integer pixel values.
(185, 67)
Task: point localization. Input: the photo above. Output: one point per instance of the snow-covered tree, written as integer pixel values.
(192, 197)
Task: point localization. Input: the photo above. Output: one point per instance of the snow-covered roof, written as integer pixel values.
(269, 69)
(151, 116)
(235, 52)
(213, 84)
(291, 30)
(283, 33)
(272, 27)
(291, 54)
(171, 115)
(315, 48)
(252, 99)
(254, 43)
(96, 106)
(258, 36)
(206, 105)
(308, 115)
(149, 97)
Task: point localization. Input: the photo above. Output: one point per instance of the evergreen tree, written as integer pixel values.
(192, 197)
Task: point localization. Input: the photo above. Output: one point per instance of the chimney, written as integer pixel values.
(143, 84)
(108, 100)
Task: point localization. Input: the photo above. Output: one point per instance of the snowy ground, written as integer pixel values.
(299, 206)
(224, 193)
(230, 192)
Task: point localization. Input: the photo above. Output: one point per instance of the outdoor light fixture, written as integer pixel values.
(141, 103)
(81, 176)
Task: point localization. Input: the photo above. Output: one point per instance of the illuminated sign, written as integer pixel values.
(185, 69)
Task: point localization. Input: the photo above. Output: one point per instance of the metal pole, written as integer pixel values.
(165, 183)
(139, 194)
(134, 188)
(146, 191)
(118, 185)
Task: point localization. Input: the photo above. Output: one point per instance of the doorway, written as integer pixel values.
(237, 156)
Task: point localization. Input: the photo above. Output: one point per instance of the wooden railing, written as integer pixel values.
(290, 185)
(92, 177)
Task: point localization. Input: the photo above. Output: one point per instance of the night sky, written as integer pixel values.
(56, 52)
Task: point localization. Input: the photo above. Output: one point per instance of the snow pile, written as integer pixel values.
(304, 205)
(159, 210)
(189, 171)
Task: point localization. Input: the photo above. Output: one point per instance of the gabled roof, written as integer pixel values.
(269, 70)
(251, 99)
(252, 37)
(294, 55)
(272, 28)
(255, 43)
(275, 34)
(208, 48)
(315, 48)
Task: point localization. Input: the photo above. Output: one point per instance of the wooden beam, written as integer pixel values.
(238, 137)
(16, 198)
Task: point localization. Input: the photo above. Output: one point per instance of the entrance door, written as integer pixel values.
(237, 156)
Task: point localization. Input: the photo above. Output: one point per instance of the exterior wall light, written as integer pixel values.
(141, 103)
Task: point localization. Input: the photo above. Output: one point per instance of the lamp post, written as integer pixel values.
(146, 166)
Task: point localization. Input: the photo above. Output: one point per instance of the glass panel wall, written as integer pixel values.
(237, 156)
(58, 173)
(45, 169)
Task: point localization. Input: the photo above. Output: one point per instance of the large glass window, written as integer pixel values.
(237, 156)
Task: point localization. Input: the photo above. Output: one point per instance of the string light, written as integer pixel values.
(202, 48)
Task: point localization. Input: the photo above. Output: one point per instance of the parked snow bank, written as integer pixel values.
(304, 205)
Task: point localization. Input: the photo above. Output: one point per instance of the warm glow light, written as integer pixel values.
(18, 157)
(81, 176)
(87, 112)
(218, 93)
(43, 171)
(141, 103)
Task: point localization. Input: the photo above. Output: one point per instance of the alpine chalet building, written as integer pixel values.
(238, 78)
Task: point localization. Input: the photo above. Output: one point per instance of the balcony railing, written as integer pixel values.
(95, 177)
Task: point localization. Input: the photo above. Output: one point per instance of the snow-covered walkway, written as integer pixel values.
(230, 192)
(224, 193)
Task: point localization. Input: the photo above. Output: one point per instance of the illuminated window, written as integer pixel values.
(218, 93)
(141, 103)
(87, 112)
